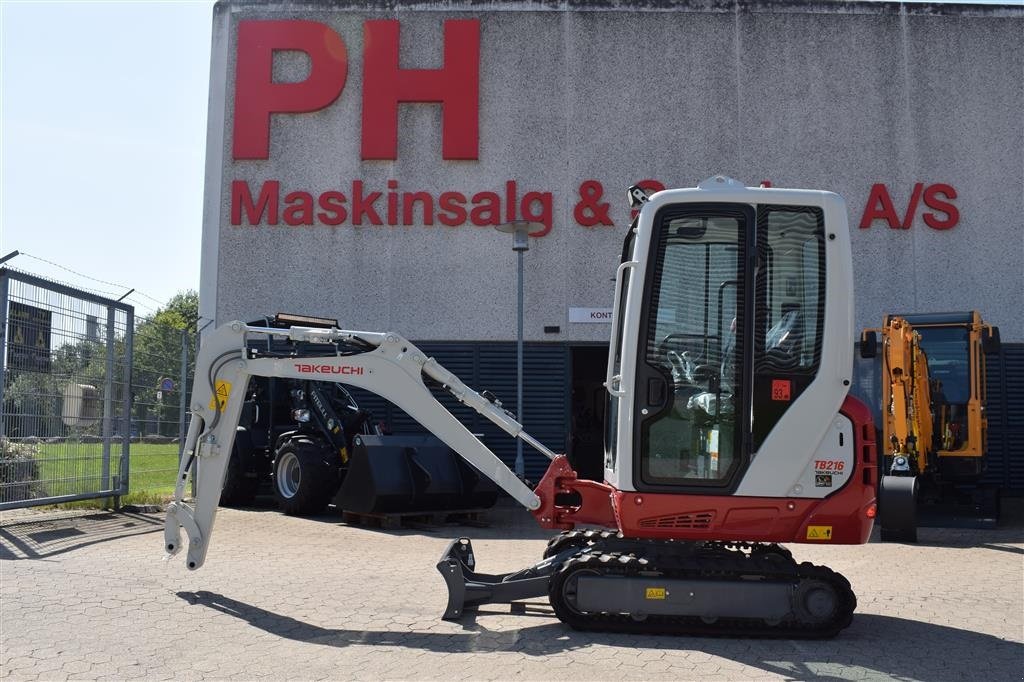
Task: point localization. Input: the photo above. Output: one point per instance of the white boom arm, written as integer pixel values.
(393, 369)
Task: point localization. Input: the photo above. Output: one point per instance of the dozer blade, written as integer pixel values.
(467, 589)
(410, 474)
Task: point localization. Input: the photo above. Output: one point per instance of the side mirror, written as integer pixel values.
(990, 342)
(868, 344)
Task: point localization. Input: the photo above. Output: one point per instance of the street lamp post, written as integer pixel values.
(520, 231)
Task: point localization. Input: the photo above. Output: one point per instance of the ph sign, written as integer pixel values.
(590, 315)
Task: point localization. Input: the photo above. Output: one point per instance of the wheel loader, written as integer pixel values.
(311, 444)
(729, 427)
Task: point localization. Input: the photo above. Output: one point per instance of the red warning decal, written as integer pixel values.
(781, 389)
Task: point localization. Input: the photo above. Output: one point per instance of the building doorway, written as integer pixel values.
(586, 431)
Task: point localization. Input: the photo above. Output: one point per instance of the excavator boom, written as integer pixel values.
(386, 364)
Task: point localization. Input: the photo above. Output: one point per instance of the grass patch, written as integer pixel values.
(71, 468)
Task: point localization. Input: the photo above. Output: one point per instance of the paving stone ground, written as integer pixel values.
(88, 595)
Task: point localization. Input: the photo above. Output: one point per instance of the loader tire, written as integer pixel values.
(303, 482)
(240, 485)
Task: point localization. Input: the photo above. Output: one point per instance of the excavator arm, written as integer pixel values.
(908, 416)
(384, 363)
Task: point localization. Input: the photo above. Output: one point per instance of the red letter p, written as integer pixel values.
(257, 96)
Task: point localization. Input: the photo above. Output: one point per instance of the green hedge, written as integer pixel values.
(19, 472)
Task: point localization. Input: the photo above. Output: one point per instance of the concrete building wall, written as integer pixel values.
(838, 96)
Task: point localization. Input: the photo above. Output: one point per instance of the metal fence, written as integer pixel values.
(162, 368)
(93, 398)
(66, 366)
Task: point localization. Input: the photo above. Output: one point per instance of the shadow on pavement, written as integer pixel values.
(999, 539)
(505, 520)
(43, 536)
(874, 645)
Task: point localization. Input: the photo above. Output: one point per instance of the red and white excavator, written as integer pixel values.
(729, 427)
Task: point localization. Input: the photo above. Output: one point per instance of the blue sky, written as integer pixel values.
(102, 142)
(103, 123)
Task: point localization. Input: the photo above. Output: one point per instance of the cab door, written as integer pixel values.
(690, 387)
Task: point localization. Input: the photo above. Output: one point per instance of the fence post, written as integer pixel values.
(129, 361)
(182, 390)
(108, 406)
(4, 291)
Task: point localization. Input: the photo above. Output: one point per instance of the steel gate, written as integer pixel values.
(65, 392)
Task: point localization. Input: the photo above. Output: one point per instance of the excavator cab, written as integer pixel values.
(956, 345)
(731, 356)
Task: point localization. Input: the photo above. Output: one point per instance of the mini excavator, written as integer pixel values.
(729, 428)
(933, 423)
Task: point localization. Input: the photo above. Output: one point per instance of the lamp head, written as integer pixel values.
(520, 230)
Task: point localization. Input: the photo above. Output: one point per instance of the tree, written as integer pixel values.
(157, 356)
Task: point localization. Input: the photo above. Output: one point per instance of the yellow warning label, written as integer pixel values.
(654, 593)
(819, 532)
(221, 399)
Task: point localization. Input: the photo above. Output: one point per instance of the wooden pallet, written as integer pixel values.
(422, 520)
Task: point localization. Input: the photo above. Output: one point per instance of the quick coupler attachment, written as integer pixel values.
(468, 589)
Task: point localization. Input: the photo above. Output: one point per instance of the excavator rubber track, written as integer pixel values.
(821, 600)
(601, 581)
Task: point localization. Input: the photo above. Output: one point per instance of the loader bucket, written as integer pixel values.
(410, 474)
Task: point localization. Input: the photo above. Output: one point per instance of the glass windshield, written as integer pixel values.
(948, 361)
(790, 310)
(690, 342)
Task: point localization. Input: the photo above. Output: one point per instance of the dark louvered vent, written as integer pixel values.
(1005, 411)
(691, 520)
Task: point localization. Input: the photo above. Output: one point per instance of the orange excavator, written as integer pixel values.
(933, 426)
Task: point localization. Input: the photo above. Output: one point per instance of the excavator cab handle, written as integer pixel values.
(868, 344)
(990, 342)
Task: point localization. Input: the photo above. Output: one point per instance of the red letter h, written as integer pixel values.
(455, 86)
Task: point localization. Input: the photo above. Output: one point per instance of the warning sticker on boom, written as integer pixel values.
(220, 401)
(654, 593)
(819, 532)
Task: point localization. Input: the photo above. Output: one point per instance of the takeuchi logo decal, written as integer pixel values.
(455, 86)
(305, 368)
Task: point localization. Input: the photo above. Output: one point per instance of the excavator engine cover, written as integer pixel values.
(409, 474)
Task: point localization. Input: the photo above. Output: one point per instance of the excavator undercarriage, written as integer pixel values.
(601, 581)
